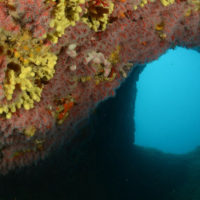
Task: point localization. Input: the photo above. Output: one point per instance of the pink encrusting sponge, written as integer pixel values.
(59, 58)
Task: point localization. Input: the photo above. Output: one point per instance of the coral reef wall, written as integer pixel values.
(59, 59)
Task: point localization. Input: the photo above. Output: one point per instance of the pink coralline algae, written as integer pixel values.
(59, 59)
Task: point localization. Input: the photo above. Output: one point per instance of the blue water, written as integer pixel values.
(167, 113)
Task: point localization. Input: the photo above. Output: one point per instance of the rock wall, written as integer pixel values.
(59, 59)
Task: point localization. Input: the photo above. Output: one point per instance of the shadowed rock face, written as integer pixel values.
(59, 59)
(197, 49)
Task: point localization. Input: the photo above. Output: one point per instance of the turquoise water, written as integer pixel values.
(167, 113)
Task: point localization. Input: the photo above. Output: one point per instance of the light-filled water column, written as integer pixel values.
(167, 110)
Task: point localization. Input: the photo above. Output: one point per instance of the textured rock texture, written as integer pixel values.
(58, 59)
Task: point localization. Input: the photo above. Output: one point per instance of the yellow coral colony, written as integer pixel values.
(195, 5)
(167, 2)
(30, 131)
(65, 14)
(30, 63)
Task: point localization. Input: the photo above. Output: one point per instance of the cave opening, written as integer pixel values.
(167, 107)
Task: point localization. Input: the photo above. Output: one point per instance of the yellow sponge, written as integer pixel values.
(167, 2)
(29, 64)
(65, 14)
